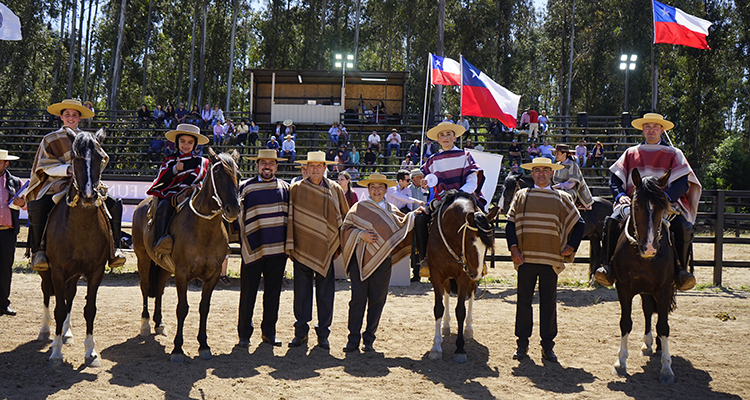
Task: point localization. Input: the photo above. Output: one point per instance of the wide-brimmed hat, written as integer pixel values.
(70, 104)
(541, 162)
(416, 172)
(267, 154)
(449, 115)
(4, 156)
(445, 126)
(562, 147)
(652, 117)
(376, 178)
(187, 129)
(288, 137)
(288, 122)
(316, 156)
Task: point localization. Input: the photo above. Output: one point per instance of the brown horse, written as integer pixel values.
(458, 242)
(78, 243)
(643, 263)
(200, 245)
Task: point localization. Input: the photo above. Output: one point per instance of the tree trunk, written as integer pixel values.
(356, 30)
(236, 9)
(86, 63)
(202, 59)
(145, 54)
(72, 50)
(118, 62)
(321, 40)
(440, 51)
(192, 56)
(56, 70)
(570, 58)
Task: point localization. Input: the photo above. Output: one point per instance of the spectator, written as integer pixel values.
(380, 112)
(287, 149)
(242, 131)
(597, 155)
(253, 133)
(370, 159)
(523, 123)
(532, 151)
(278, 131)
(352, 171)
(355, 156)
(218, 115)
(346, 158)
(169, 148)
(272, 143)
(414, 151)
(547, 151)
(90, 106)
(181, 114)
(158, 115)
(218, 134)
(400, 195)
(345, 181)
(581, 152)
(343, 135)
(194, 117)
(373, 142)
(207, 115)
(463, 122)
(468, 144)
(155, 149)
(169, 116)
(394, 142)
(533, 124)
(339, 162)
(447, 118)
(543, 122)
(144, 116)
(289, 128)
(333, 134)
(9, 228)
(514, 152)
(407, 163)
(494, 129)
(229, 130)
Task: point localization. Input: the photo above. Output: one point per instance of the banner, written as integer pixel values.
(482, 97)
(10, 25)
(673, 26)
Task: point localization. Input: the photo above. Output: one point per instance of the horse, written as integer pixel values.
(643, 263)
(594, 218)
(457, 244)
(81, 246)
(200, 246)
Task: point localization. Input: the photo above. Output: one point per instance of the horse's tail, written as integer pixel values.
(153, 279)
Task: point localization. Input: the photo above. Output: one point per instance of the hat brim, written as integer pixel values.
(9, 158)
(57, 109)
(531, 165)
(265, 158)
(172, 136)
(638, 123)
(386, 182)
(304, 162)
(457, 129)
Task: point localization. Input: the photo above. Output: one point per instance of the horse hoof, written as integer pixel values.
(160, 330)
(177, 358)
(93, 362)
(619, 371)
(205, 354)
(435, 355)
(468, 334)
(446, 331)
(647, 352)
(460, 358)
(55, 363)
(145, 332)
(68, 339)
(669, 379)
(43, 337)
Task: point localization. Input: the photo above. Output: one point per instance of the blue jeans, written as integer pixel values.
(394, 146)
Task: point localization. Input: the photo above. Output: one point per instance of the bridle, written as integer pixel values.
(633, 239)
(461, 230)
(101, 188)
(215, 197)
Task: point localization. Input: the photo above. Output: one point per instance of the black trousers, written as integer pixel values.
(272, 269)
(371, 292)
(527, 277)
(325, 289)
(7, 255)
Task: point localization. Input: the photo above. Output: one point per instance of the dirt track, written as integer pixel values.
(709, 356)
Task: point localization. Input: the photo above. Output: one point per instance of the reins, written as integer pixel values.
(215, 197)
(462, 259)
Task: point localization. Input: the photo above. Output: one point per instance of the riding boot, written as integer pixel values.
(611, 234)
(683, 240)
(162, 241)
(114, 206)
(38, 211)
(421, 229)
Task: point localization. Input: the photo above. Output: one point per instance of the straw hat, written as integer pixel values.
(376, 178)
(288, 137)
(541, 162)
(70, 104)
(288, 122)
(652, 117)
(4, 156)
(267, 154)
(187, 129)
(316, 156)
(445, 126)
(416, 172)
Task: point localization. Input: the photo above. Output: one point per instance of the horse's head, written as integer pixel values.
(89, 159)
(224, 176)
(513, 182)
(648, 209)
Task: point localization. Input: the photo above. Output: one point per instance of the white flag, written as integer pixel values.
(10, 25)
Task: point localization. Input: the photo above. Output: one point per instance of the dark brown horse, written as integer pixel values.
(594, 218)
(78, 243)
(643, 263)
(458, 242)
(200, 245)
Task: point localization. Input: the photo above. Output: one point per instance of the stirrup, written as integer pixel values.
(118, 259)
(164, 245)
(424, 269)
(39, 261)
(603, 276)
(684, 280)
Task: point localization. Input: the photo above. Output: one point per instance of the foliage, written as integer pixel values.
(731, 165)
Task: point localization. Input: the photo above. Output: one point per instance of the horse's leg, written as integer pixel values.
(436, 352)
(44, 332)
(595, 253)
(182, 310)
(447, 313)
(460, 355)
(626, 325)
(144, 266)
(158, 321)
(469, 326)
(61, 311)
(662, 329)
(89, 312)
(208, 287)
(649, 307)
(70, 294)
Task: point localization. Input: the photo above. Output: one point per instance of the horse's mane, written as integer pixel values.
(652, 192)
(485, 230)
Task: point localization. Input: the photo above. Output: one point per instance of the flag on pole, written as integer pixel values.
(10, 25)
(482, 97)
(674, 26)
(445, 71)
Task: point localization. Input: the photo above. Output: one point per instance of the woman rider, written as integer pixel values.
(178, 171)
(569, 179)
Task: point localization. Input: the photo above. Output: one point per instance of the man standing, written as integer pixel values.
(374, 237)
(399, 195)
(9, 227)
(539, 250)
(654, 157)
(317, 206)
(533, 124)
(265, 210)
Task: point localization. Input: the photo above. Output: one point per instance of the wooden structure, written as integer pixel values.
(311, 96)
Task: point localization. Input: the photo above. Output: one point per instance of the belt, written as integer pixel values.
(3, 227)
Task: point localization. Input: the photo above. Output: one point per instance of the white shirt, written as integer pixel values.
(399, 197)
(374, 138)
(287, 145)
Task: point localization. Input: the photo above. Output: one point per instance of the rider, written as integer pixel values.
(177, 172)
(569, 179)
(50, 176)
(654, 157)
(451, 168)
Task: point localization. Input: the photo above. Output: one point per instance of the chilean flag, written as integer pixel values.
(445, 71)
(482, 97)
(672, 25)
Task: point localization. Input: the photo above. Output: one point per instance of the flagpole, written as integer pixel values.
(654, 84)
(424, 110)
(460, 92)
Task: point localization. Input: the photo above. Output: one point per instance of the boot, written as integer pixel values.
(683, 240)
(603, 274)
(114, 206)
(421, 228)
(38, 211)
(162, 241)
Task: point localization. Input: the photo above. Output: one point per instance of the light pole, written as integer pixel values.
(344, 65)
(627, 66)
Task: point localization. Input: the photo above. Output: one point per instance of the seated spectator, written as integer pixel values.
(532, 151)
(169, 148)
(468, 144)
(218, 134)
(494, 129)
(523, 123)
(253, 133)
(343, 135)
(272, 143)
(158, 115)
(242, 131)
(355, 155)
(346, 158)
(370, 159)
(339, 162)
(181, 114)
(447, 117)
(543, 122)
(373, 142)
(352, 171)
(194, 117)
(155, 149)
(547, 151)
(514, 169)
(414, 151)
(597, 156)
(218, 115)
(229, 130)
(581, 152)
(144, 116)
(333, 134)
(278, 131)
(394, 142)
(479, 147)
(169, 117)
(407, 164)
(287, 149)
(207, 116)
(514, 152)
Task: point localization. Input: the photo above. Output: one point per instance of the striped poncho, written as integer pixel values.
(571, 173)
(49, 173)
(167, 183)
(265, 211)
(452, 168)
(392, 227)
